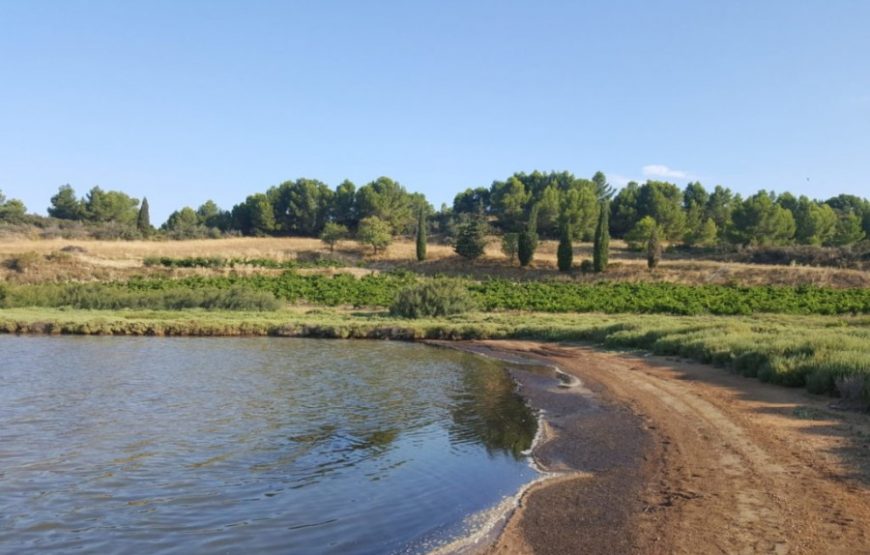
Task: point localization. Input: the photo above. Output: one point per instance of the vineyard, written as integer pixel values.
(381, 290)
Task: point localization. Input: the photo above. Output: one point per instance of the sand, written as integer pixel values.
(657, 455)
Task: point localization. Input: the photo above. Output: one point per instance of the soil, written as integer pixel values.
(658, 455)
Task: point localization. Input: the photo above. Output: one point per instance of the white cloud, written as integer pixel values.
(618, 180)
(662, 171)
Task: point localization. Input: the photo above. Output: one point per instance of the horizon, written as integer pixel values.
(185, 103)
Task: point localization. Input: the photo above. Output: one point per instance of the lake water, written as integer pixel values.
(191, 445)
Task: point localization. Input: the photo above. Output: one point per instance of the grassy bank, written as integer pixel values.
(814, 351)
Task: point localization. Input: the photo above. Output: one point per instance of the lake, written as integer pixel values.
(264, 445)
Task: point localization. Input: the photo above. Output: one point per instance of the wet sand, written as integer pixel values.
(655, 455)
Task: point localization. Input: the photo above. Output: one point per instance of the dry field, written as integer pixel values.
(59, 259)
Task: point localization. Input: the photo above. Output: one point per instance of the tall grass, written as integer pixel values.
(105, 297)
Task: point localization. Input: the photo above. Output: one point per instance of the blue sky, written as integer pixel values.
(182, 101)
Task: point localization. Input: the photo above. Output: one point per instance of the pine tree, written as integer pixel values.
(471, 241)
(143, 220)
(601, 250)
(421, 236)
(565, 252)
(653, 249)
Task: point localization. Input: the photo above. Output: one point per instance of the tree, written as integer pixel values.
(12, 210)
(509, 245)
(65, 205)
(389, 201)
(471, 241)
(110, 206)
(184, 224)
(848, 230)
(758, 220)
(509, 201)
(623, 211)
(525, 248)
(815, 223)
(255, 216)
(601, 246)
(853, 204)
(638, 237)
(580, 208)
(470, 201)
(695, 199)
(653, 249)
(565, 251)
(421, 236)
(344, 209)
(333, 233)
(211, 216)
(375, 232)
(549, 211)
(301, 207)
(705, 235)
(719, 207)
(527, 243)
(603, 190)
(143, 219)
(663, 202)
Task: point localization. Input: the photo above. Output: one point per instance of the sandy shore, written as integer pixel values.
(662, 456)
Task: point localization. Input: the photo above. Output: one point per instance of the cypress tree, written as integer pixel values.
(565, 252)
(653, 249)
(527, 243)
(421, 236)
(601, 249)
(143, 220)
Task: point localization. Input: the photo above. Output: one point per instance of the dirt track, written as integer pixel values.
(702, 461)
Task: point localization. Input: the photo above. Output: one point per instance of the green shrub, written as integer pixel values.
(432, 299)
(509, 245)
(565, 252)
(526, 245)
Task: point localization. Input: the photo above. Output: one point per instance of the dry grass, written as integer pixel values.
(102, 260)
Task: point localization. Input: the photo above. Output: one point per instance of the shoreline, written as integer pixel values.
(583, 499)
(680, 457)
(672, 456)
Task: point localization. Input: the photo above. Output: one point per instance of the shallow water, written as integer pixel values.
(171, 445)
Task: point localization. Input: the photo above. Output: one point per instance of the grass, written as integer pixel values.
(123, 259)
(800, 351)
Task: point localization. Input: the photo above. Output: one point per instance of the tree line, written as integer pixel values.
(555, 205)
(692, 216)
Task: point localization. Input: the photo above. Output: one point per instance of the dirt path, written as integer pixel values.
(705, 462)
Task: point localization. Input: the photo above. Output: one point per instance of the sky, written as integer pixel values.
(184, 101)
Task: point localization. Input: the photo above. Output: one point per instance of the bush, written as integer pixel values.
(509, 246)
(432, 299)
(23, 262)
(653, 249)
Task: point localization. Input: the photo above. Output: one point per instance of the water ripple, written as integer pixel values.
(119, 445)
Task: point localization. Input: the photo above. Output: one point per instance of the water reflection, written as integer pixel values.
(118, 445)
(488, 410)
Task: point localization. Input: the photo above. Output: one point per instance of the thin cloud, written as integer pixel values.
(662, 171)
(619, 180)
